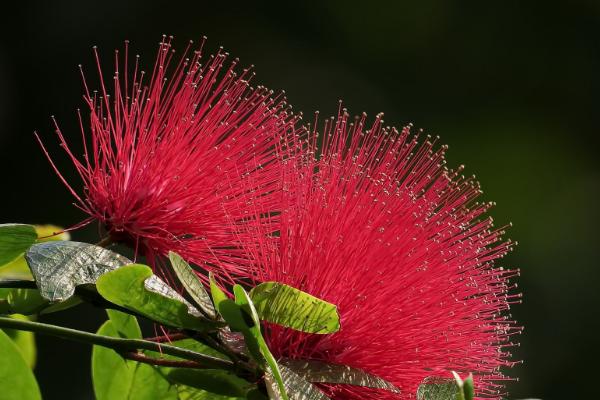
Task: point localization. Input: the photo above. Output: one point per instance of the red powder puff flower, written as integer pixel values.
(168, 156)
(381, 228)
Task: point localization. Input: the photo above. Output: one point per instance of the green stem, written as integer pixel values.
(17, 284)
(118, 344)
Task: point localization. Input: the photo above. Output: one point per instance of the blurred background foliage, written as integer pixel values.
(511, 86)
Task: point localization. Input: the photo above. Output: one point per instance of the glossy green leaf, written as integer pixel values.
(59, 267)
(293, 308)
(16, 378)
(254, 335)
(135, 288)
(15, 239)
(317, 371)
(25, 342)
(296, 387)
(192, 285)
(116, 378)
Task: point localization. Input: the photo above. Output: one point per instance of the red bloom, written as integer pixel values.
(379, 227)
(170, 159)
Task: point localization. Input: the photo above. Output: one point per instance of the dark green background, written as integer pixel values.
(511, 86)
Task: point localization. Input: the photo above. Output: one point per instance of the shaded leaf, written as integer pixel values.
(21, 301)
(296, 387)
(190, 393)
(226, 307)
(136, 288)
(16, 378)
(59, 266)
(15, 239)
(25, 342)
(293, 308)
(434, 388)
(190, 344)
(192, 284)
(215, 381)
(116, 378)
(317, 371)
(254, 337)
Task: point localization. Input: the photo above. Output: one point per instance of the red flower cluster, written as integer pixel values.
(168, 159)
(200, 163)
(380, 227)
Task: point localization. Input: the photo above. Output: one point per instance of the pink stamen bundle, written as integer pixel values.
(198, 162)
(380, 227)
(171, 157)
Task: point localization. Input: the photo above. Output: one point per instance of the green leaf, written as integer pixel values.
(15, 239)
(17, 270)
(465, 388)
(254, 337)
(189, 344)
(59, 267)
(16, 378)
(317, 371)
(468, 388)
(21, 301)
(215, 381)
(25, 341)
(48, 233)
(226, 307)
(190, 393)
(135, 288)
(435, 388)
(192, 285)
(297, 387)
(116, 378)
(293, 308)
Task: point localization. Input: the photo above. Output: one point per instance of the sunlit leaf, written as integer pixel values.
(59, 267)
(192, 284)
(15, 239)
(135, 288)
(293, 308)
(24, 340)
(296, 387)
(16, 378)
(17, 270)
(50, 233)
(116, 378)
(317, 371)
